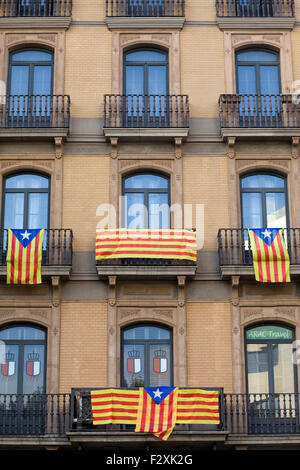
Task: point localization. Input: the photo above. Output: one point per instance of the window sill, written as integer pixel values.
(124, 22)
(231, 23)
(59, 22)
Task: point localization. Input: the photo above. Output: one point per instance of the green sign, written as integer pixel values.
(269, 332)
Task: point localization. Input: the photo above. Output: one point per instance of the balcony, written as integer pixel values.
(65, 420)
(161, 116)
(235, 255)
(255, 14)
(42, 116)
(259, 115)
(35, 13)
(122, 14)
(56, 256)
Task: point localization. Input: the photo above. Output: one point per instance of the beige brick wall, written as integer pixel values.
(209, 345)
(205, 182)
(202, 69)
(83, 348)
(86, 185)
(87, 69)
(200, 11)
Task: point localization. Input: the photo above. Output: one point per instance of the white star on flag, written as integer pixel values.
(157, 393)
(25, 235)
(266, 233)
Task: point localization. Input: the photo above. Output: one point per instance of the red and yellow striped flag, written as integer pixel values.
(142, 243)
(114, 406)
(270, 257)
(24, 256)
(157, 417)
(196, 406)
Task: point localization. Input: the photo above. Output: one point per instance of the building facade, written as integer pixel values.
(189, 105)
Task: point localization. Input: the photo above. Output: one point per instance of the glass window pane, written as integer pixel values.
(262, 181)
(42, 80)
(157, 80)
(276, 210)
(269, 80)
(252, 210)
(14, 210)
(135, 211)
(146, 332)
(246, 80)
(9, 363)
(34, 369)
(19, 80)
(145, 56)
(22, 333)
(257, 56)
(257, 365)
(269, 332)
(283, 368)
(159, 211)
(32, 56)
(146, 181)
(134, 81)
(133, 365)
(160, 361)
(27, 181)
(38, 210)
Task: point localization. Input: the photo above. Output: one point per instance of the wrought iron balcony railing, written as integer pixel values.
(57, 247)
(234, 246)
(34, 111)
(35, 8)
(59, 414)
(255, 8)
(146, 111)
(144, 8)
(36, 414)
(259, 111)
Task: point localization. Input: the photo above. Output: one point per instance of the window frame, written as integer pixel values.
(263, 192)
(26, 192)
(146, 344)
(146, 192)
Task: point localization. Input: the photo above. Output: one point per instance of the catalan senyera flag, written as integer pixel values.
(157, 411)
(270, 256)
(114, 406)
(24, 256)
(143, 243)
(196, 406)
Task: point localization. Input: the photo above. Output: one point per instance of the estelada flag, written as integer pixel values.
(146, 243)
(157, 411)
(111, 406)
(24, 256)
(196, 406)
(270, 256)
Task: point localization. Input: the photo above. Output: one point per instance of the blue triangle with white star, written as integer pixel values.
(266, 234)
(25, 236)
(158, 394)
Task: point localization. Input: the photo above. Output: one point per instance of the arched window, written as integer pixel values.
(258, 72)
(264, 201)
(146, 201)
(146, 356)
(30, 86)
(26, 201)
(22, 359)
(269, 359)
(146, 86)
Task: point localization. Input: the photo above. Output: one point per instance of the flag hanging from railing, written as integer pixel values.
(111, 406)
(195, 406)
(24, 256)
(142, 243)
(157, 411)
(270, 256)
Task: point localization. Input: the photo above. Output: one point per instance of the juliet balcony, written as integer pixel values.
(235, 255)
(35, 13)
(256, 14)
(42, 116)
(56, 255)
(246, 115)
(145, 14)
(162, 116)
